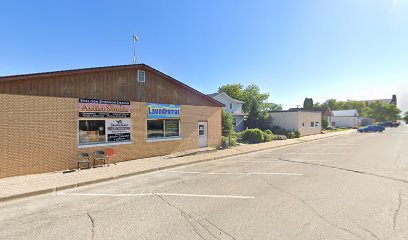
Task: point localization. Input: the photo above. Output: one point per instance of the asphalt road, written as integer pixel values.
(347, 187)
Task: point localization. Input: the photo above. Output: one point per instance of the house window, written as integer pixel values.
(163, 128)
(312, 124)
(317, 124)
(234, 121)
(303, 124)
(230, 105)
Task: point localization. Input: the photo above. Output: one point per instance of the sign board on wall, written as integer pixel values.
(96, 108)
(118, 130)
(160, 111)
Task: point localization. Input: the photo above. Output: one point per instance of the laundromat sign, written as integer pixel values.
(97, 108)
(157, 110)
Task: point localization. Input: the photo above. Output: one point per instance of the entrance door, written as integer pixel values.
(202, 134)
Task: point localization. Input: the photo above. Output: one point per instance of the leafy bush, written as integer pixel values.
(297, 134)
(267, 136)
(227, 123)
(278, 130)
(252, 136)
(289, 134)
(267, 131)
(279, 137)
(325, 123)
(224, 142)
(233, 141)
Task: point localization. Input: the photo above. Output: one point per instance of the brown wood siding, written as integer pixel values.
(110, 83)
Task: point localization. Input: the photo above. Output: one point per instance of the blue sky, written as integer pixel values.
(345, 49)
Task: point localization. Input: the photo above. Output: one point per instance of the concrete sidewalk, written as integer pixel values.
(29, 185)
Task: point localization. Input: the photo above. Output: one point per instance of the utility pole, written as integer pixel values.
(135, 38)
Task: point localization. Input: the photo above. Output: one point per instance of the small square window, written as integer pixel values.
(141, 76)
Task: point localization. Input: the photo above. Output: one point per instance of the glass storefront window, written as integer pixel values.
(155, 129)
(163, 128)
(172, 128)
(91, 131)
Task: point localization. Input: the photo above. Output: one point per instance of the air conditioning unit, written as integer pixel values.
(141, 76)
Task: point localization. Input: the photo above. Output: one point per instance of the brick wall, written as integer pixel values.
(39, 134)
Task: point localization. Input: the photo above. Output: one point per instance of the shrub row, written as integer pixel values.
(288, 133)
(256, 135)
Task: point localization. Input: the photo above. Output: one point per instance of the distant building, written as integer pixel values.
(392, 100)
(306, 122)
(233, 106)
(345, 118)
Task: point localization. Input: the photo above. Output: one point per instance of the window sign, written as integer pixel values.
(118, 130)
(172, 128)
(161, 111)
(95, 108)
(91, 131)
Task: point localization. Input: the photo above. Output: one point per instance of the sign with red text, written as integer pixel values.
(96, 108)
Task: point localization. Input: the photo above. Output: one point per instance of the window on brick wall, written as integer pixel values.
(92, 131)
(161, 128)
(106, 131)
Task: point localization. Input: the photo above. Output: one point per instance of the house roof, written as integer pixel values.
(213, 95)
(345, 113)
(326, 111)
(98, 69)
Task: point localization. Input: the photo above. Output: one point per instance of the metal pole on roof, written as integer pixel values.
(135, 38)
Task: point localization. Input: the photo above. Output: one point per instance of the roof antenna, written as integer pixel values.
(135, 38)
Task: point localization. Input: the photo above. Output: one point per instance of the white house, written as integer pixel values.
(306, 122)
(345, 118)
(233, 106)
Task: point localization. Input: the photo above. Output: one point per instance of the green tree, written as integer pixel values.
(382, 111)
(249, 95)
(253, 117)
(346, 105)
(235, 91)
(308, 104)
(255, 104)
(227, 123)
(406, 116)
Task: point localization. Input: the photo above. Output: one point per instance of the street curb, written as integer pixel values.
(71, 186)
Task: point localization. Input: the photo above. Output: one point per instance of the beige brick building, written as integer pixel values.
(44, 128)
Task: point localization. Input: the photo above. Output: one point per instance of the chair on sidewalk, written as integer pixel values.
(83, 158)
(99, 155)
(110, 153)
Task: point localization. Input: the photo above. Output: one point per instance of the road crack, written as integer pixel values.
(93, 224)
(220, 229)
(396, 212)
(313, 210)
(189, 218)
(368, 230)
